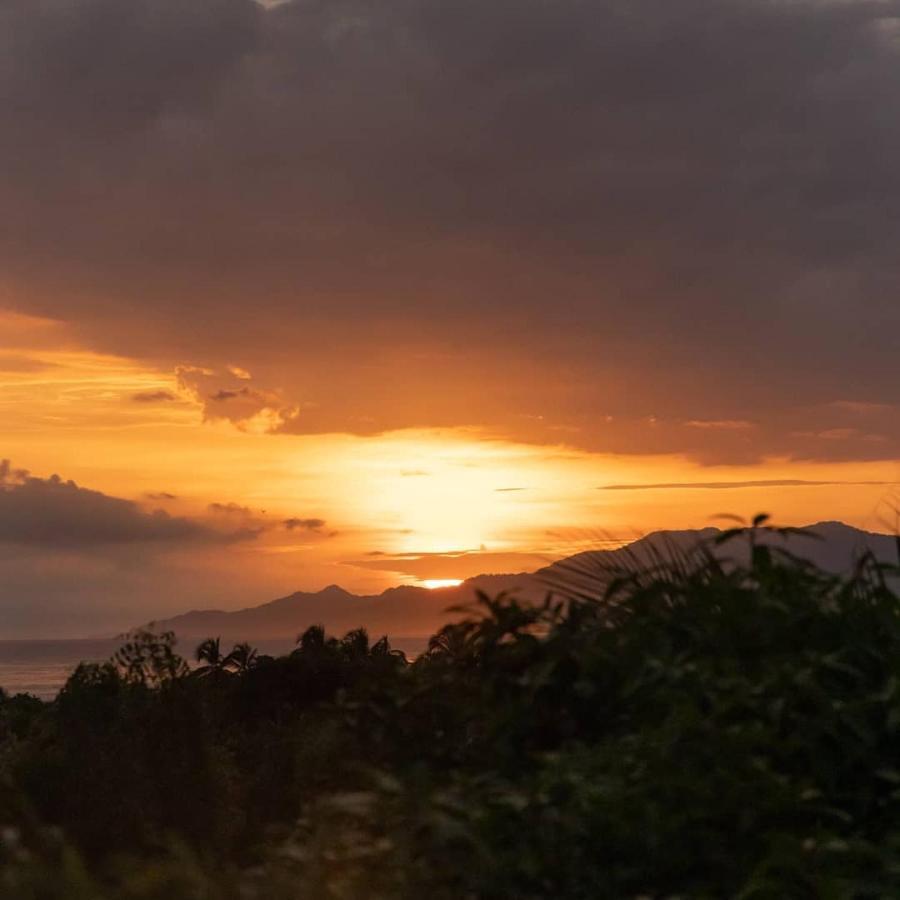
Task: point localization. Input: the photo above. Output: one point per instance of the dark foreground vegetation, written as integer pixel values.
(685, 729)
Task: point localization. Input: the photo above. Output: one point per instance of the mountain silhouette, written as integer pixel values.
(413, 611)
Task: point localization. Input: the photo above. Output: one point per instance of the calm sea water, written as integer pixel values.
(42, 667)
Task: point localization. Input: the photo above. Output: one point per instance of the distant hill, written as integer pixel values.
(406, 610)
(412, 611)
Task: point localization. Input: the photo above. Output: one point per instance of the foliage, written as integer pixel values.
(149, 659)
(683, 727)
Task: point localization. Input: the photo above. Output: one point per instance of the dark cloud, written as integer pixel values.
(230, 509)
(223, 395)
(162, 495)
(51, 512)
(153, 397)
(730, 485)
(560, 220)
(304, 524)
(260, 523)
(77, 562)
(453, 565)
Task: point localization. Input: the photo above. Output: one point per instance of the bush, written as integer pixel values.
(685, 727)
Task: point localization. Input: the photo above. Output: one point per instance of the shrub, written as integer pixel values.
(680, 727)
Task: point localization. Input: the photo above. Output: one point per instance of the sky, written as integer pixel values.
(373, 293)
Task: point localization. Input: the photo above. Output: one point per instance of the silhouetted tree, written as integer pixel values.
(210, 653)
(242, 658)
(677, 727)
(150, 659)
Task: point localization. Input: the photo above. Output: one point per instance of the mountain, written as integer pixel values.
(412, 611)
(406, 610)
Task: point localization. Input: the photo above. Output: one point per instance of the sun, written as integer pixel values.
(434, 584)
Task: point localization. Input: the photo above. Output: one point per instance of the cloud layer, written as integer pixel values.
(79, 561)
(51, 512)
(636, 226)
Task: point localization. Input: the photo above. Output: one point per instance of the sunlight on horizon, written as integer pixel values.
(429, 506)
(435, 584)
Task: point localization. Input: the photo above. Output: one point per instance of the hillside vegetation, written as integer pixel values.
(678, 727)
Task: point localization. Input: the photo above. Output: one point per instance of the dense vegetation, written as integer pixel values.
(681, 729)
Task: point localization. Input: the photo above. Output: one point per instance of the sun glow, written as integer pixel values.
(410, 506)
(434, 584)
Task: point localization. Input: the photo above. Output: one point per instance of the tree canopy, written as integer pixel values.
(686, 727)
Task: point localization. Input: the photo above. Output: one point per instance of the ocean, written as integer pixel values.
(42, 667)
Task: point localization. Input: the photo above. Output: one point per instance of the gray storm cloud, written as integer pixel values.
(82, 559)
(623, 217)
(52, 512)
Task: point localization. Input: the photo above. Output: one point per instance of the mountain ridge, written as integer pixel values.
(416, 611)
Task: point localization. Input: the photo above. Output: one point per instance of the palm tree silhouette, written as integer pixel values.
(312, 638)
(242, 658)
(382, 649)
(355, 644)
(210, 652)
(452, 642)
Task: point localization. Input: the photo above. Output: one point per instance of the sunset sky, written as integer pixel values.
(382, 292)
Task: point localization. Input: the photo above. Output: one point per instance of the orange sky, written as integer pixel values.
(370, 292)
(371, 511)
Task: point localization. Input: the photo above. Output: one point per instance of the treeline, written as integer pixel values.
(683, 728)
